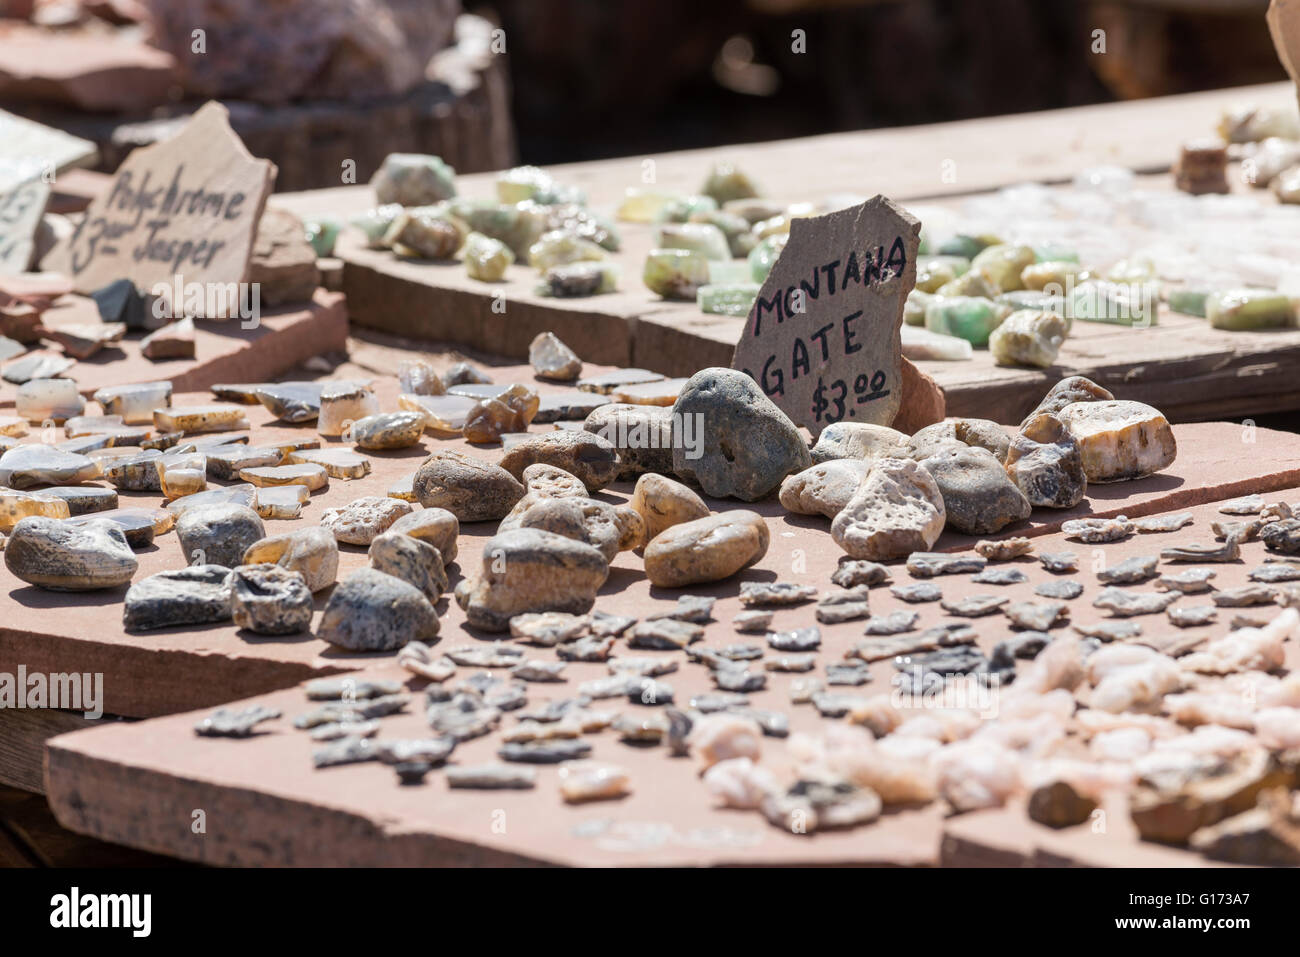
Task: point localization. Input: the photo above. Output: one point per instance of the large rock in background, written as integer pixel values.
(274, 52)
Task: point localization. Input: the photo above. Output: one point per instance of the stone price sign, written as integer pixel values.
(20, 214)
(180, 212)
(822, 339)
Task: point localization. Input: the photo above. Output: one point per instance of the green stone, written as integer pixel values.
(675, 273)
(1122, 304)
(1190, 302)
(322, 234)
(706, 239)
(414, 179)
(680, 209)
(727, 182)
(560, 247)
(958, 264)
(1028, 338)
(729, 272)
(486, 259)
(1239, 309)
(1055, 252)
(978, 282)
(964, 244)
(532, 183)
(932, 276)
(644, 205)
(1004, 263)
(518, 225)
(1138, 269)
(576, 280)
(1038, 302)
(733, 299)
(376, 222)
(736, 228)
(765, 254)
(967, 317)
(914, 307)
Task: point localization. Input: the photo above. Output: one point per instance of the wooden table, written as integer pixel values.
(1191, 372)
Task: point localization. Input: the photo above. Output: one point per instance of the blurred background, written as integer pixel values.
(314, 83)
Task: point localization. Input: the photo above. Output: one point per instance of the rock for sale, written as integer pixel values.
(1036, 615)
(978, 496)
(1028, 337)
(173, 341)
(1139, 568)
(1120, 440)
(1063, 590)
(663, 502)
(530, 570)
(706, 549)
(744, 445)
(1057, 804)
(283, 262)
(824, 489)
(591, 458)
(1075, 388)
(196, 595)
(437, 526)
(898, 509)
(471, 489)
(642, 434)
(371, 611)
(848, 605)
(608, 528)
(1283, 536)
(500, 411)
(977, 433)
(1000, 576)
(39, 464)
(1046, 463)
(361, 520)
(543, 483)
(552, 359)
(311, 552)
(931, 564)
(917, 593)
(385, 431)
(59, 556)
(1125, 604)
(342, 404)
(1005, 549)
(270, 599)
(218, 534)
(413, 561)
(858, 440)
(851, 572)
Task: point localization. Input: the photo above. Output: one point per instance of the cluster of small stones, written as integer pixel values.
(1084, 708)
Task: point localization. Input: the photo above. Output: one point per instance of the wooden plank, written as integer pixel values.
(138, 784)
(23, 733)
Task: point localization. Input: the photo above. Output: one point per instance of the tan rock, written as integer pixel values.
(609, 529)
(663, 502)
(824, 489)
(437, 526)
(413, 561)
(858, 440)
(358, 522)
(471, 489)
(897, 510)
(308, 474)
(62, 556)
(1120, 440)
(706, 549)
(314, 552)
(592, 459)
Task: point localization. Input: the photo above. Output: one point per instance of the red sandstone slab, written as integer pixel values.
(138, 784)
(225, 351)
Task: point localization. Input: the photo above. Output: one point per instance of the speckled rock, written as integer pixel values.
(1075, 388)
(60, 556)
(1046, 463)
(897, 510)
(469, 488)
(642, 434)
(591, 458)
(743, 444)
(979, 433)
(1120, 440)
(196, 595)
(437, 526)
(371, 611)
(358, 522)
(543, 483)
(413, 561)
(530, 570)
(312, 552)
(978, 496)
(858, 440)
(270, 599)
(706, 549)
(824, 489)
(552, 359)
(663, 502)
(218, 534)
(608, 528)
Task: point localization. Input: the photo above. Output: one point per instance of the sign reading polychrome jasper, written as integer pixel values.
(822, 338)
(21, 209)
(178, 213)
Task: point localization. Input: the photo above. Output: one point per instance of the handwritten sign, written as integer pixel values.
(822, 339)
(30, 150)
(1284, 24)
(20, 213)
(179, 212)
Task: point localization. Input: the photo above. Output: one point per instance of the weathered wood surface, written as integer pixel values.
(1192, 372)
(22, 743)
(139, 784)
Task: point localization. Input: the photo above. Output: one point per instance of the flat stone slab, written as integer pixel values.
(138, 783)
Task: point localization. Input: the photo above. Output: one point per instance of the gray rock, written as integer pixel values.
(858, 571)
(745, 444)
(371, 611)
(1060, 590)
(973, 606)
(1059, 562)
(1124, 604)
(63, 556)
(917, 592)
(1139, 568)
(1000, 576)
(858, 440)
(930, 564)
(197, 595)
(975, 433)
(218, 534)
(978, 496)
(848, 605)
(469, 488)
(586, 455)
(270, 600)
(895, 623)
(1075, 388)
(1046, 463)
(642, 434)
(227, 723)
(1036, 615)
(530, 570)
(413, 561)
(801, 639)
(544, 752)
(491, 777)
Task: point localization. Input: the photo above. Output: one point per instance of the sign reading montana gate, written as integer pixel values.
(178, 213)
(822, 339)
